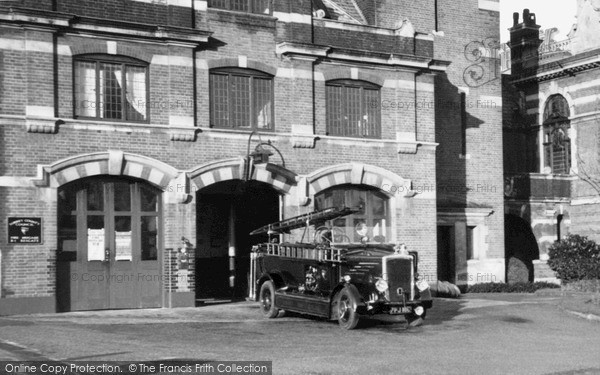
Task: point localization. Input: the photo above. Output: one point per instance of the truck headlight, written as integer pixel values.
(381, 285)
(419, 310)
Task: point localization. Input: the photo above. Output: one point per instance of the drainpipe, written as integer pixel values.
(169, 277)
(0, 273)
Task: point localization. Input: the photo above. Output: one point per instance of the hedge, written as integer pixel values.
(575, 258)
(510, 288)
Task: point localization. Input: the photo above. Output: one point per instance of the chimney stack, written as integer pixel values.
(524, 42)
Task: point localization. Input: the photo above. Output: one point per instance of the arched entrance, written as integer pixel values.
(521, 248)
(227, 211)
(109, 236)
(109, 229)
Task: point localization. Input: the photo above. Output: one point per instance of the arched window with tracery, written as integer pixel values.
(557, 144)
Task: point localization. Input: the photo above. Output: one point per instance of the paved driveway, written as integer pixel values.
(479, 334)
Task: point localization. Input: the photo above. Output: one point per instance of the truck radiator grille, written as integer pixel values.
(398, 271)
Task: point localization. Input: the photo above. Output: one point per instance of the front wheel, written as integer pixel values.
(345, 303)
(267, 300)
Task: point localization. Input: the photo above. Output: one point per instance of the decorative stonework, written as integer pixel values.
(183, 135)
(41, 126)
(277, 176)
(117, 163)
(304, 141)
(359, 174)
(407, 148)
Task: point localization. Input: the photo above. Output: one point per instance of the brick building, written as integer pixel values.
(135, 135)
(550, 139)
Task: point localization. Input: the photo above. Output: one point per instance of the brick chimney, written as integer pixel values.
(524, 43)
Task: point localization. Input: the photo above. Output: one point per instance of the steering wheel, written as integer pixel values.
(323, 235)
(326, 235)
(340, 236)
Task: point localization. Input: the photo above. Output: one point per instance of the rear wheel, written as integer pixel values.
(344, 304)
(267, 300)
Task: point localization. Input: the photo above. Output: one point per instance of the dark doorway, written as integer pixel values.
(521, 249)
(226, 213)
(445, 253)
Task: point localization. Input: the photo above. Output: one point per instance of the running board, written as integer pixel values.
(303, 304)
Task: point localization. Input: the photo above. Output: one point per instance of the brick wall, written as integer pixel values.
(467, 28)
(391, 13)
(154, 12)
(250, 40)
(28, 270)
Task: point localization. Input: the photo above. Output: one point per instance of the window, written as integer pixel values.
(249, 6)
(557, 144)
(471, 242)
(353, 109)
(110, 88)
(372, 221)
(241, 99)
(99, 215)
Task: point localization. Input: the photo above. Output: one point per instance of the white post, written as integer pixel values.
(252, 281)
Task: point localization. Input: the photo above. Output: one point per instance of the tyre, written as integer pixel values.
(344, 304)
(267, 300)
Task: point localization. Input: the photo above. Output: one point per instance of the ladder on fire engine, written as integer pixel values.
(311, 218)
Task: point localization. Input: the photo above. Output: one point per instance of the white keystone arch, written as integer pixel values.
(358, 174)
(114, 163)
(279, 177)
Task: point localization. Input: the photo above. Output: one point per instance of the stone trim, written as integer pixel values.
(279, 177)
(356, 174)
(116, 163)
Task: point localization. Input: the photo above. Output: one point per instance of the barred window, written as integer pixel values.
(111, 88)
(557, 144)
(353, 109)
(249, 6)
(241, 99)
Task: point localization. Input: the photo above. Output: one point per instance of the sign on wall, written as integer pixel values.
(24, 230)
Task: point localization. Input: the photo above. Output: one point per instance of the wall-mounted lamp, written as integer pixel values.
(260, 155)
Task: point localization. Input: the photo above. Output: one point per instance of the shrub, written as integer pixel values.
(510, 288)
(575, 258)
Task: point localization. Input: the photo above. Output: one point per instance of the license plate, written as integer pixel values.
(400, 310)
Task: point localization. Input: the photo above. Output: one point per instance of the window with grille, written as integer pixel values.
(557, 144)
(241, 99)
(110, 88)
(353, 109)
(249, 6)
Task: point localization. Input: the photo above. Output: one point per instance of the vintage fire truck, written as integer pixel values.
(332, 277)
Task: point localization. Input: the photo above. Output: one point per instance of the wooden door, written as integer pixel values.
(116, 262)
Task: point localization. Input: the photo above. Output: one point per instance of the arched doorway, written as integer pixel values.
(227, 212)
(521, 248)
(109, 244)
